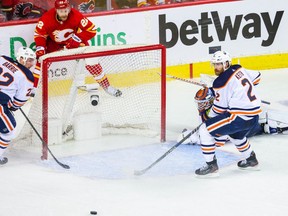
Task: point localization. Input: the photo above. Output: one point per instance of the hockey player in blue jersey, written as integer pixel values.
(235, 111)
(16, 84)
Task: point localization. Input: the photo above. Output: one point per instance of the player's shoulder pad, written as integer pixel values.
(221, 81)
(28, 74)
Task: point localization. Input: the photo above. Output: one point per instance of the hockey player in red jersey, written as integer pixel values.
(16, 85)
(65, 27)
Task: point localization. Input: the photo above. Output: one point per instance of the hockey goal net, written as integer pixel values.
(66, 88)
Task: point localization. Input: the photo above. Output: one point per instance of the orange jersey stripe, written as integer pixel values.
(221, 123)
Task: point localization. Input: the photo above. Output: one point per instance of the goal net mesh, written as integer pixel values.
(139, 72)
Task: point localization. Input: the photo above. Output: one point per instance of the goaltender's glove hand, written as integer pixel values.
(40, 51)
(87, 7)
(23, 9)
(73, 42)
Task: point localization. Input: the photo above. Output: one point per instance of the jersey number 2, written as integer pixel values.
(251, 97)
(9, 78)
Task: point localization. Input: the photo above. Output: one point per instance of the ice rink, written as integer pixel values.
(101, 175)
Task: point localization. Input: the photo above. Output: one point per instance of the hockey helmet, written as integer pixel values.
(26, 53)
(62, 4)
(204, 98)
(221, 57)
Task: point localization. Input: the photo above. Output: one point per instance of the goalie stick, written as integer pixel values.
(65, 166)
(200, 84)
(143, 171)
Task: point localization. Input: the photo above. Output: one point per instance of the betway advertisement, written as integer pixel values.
(190, 32)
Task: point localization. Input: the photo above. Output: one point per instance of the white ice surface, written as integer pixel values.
(29, 187)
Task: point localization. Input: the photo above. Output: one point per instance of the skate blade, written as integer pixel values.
(255, 168)
(210, 175)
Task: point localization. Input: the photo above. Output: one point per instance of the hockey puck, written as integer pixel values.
(93, 212)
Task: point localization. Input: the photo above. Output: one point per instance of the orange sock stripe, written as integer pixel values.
(246, 146)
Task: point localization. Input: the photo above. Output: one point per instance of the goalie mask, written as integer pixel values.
(204, 99)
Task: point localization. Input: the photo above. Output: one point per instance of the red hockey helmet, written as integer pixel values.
(62, 4)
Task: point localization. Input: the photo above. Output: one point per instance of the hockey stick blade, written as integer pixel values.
(65, 166)
(143, 171)
(139, 172)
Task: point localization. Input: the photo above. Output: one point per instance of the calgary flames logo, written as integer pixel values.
(62, 35)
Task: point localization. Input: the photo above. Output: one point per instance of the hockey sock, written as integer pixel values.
(97, 72)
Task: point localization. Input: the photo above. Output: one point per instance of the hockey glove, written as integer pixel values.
(13, 109)
(73, 42)
(11, 106)
(40, 51)
(23, 9)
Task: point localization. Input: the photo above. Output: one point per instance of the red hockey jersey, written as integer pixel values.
(54, 34)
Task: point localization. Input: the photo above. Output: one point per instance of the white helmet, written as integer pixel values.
(25, 53)
(221, 57)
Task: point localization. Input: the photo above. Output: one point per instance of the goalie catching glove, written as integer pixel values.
(193, 139)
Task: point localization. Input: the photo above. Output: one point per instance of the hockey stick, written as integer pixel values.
(186, 80)
(141, 172)
(65, 166)
(201, 84)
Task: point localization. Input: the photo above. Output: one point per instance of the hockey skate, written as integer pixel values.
(3, 160)
(209, 170)
(112, 91)
(251, 163)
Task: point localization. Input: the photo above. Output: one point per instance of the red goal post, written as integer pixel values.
(140, 60)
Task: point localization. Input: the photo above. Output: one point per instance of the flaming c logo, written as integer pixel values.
(62, 35)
